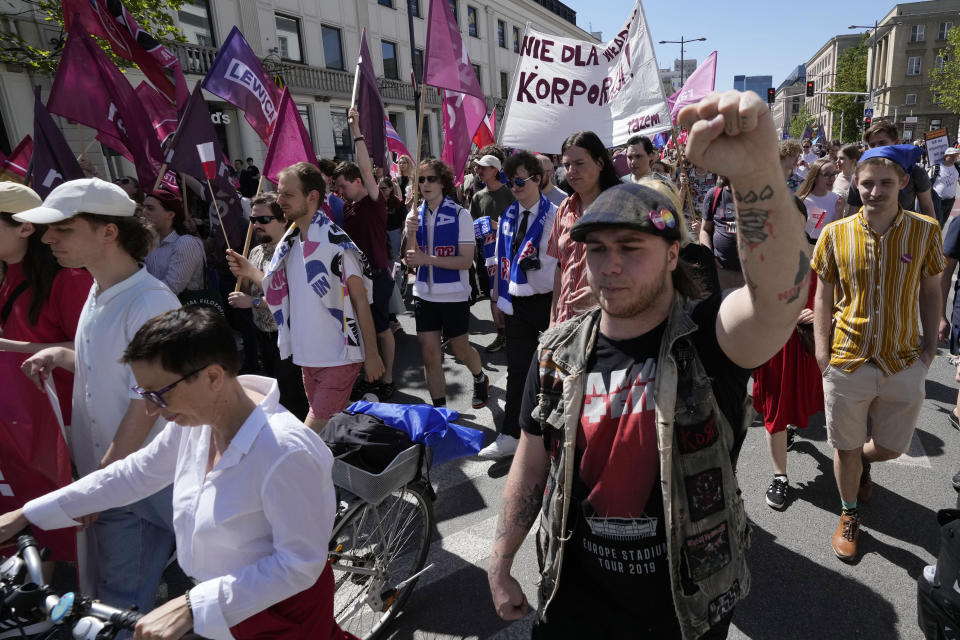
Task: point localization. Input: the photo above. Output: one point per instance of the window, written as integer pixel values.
(476, 70)
(195, 22)
(389, 51)
(516, 39)
(342, 147)
(288, 38)
(935, 123)
(332, 47)
(501, 34)
(504, 84)
(913, 65)
(418, 64)
(916, 33)
(304, 112)
(414, 7)
(944, 29)
(911, 98)
(941, 58)
(385, 3)
(456, 16)
(473, 23)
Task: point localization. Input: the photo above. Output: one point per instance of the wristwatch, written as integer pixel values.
(256, 303)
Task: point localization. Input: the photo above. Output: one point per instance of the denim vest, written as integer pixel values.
(707, 532)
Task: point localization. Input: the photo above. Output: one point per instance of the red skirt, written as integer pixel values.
(309, 614)
(788, 389)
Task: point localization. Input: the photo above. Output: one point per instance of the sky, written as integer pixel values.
(751, 37)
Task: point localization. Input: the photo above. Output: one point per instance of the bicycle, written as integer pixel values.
(380, 540)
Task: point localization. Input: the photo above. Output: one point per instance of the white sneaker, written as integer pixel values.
(503, 447)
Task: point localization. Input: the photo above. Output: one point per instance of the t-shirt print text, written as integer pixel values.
(623, 397)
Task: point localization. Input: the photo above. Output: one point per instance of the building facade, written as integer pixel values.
(822, 70)
(311, 45)
(757, 84)
(908, 45)
(789, 97)
(671, 78)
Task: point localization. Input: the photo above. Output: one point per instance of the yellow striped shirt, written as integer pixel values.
(877, 313)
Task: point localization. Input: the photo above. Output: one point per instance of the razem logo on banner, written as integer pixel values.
(562, 85)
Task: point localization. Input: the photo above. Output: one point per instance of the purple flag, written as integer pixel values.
(196, 129)
(462, 116)
(700, 83)
(108, 104)
(289, 143)
(53, 160)
(447, 64)
(370, 106)
(807, 133)
(238, 77)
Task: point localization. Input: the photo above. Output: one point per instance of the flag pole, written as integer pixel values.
(163, 172)
(356, 87)
(216, 207)
(249, 238)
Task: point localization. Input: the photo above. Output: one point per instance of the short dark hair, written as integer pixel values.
(591, 143)
(135, 234)
(184, 340)
(526, 160)
(443, 171)
(883, 126)
(269, 199)
(327, 166)
(348, 170)
(494, 150)
(641, 140)
(249, 159)
(852, 151)
(309, 175)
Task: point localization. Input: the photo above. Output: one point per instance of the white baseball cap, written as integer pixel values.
(952, 151)
(87, 195)
(490, 161)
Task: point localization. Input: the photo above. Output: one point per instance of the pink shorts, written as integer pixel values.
(328, 388)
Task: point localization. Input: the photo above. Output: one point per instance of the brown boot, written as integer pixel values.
(865, 491)
(846, 536)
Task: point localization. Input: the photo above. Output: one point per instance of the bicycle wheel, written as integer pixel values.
(373, 549)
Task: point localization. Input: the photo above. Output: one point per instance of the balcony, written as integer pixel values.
(302, 78)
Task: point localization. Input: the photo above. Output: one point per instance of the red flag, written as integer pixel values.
(485, 131)
(110, 20)
(19, 159)
(289, 143)
(208, 158)
(446, 63)
(162, 114)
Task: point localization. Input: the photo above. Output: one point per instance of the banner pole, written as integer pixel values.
(163, 172)
(356, 87)
(216, 207)
(249, 238)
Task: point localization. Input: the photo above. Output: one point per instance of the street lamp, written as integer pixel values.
(682, 41)
(873, 53)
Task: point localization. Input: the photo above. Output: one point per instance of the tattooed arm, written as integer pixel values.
(733, 134)
(519, 508)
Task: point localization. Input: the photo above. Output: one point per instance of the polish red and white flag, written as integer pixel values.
(209, 159)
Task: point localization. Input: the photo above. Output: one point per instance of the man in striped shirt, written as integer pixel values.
(885, 263)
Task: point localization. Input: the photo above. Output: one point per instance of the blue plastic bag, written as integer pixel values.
(428, 425)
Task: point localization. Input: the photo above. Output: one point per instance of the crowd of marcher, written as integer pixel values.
(634, 306)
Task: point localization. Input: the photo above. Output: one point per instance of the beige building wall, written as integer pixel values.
(822, 70)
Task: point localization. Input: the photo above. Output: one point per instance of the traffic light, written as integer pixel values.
(771, 95)
(866, 122)
(810, 88)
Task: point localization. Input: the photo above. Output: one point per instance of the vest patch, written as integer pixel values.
(724, 603)
(708, 552)
(704, 493)
(694, 437)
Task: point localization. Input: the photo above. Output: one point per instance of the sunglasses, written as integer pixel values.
(262, 219)
(156, 397)
(430, 179)
(519, 182)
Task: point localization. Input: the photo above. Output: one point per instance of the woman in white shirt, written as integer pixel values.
(253, 499)
(823, 205)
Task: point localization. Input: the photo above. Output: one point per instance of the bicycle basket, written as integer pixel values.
(374, 487)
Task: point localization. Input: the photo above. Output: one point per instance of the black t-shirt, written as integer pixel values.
(918, 183)
(617, 555)
(719, 207)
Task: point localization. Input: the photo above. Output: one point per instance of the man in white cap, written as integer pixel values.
(945, 176)
(490, 201)
(92, 224)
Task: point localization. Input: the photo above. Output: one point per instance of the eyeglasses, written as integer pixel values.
(519, 182)
(430, 179)
(829, 174)
(156, 397)
(262, 219)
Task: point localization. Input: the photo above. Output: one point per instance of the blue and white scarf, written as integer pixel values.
(446, 240)
(323, 260)
(511, 278)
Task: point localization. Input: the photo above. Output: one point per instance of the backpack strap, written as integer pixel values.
(8, 307)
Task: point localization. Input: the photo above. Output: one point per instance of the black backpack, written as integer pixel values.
(938, 595)
(364, 441)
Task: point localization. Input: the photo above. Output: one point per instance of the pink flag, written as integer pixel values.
(394, 142)
(462, 114)
(208, 158)
(700, 83)
(289, 143)
(162, 114)
(444, 46)
(19, 159)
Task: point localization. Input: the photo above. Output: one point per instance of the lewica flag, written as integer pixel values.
(209, 159)
(238, 77)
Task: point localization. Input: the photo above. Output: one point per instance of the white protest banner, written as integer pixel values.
(562, 85)
(937, 143)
